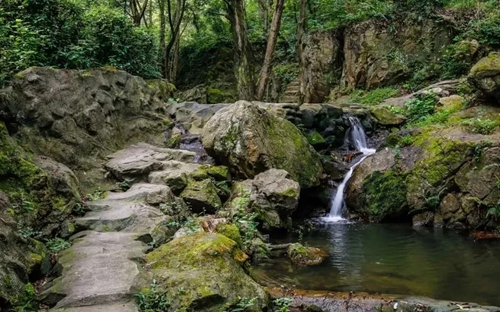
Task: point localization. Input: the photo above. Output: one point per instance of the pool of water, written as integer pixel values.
(395, 259)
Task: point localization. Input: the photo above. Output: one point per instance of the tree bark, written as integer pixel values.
(243, 67)
(271, 47)
(301, 29)
(161, 5)
(175, 24)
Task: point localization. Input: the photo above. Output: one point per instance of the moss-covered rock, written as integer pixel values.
(304, 256)
(208, 270)
(485, 75)
(201, 196)
(385, 197)
(272, 196)
(249, 140)
(42, 192)
(385, 117)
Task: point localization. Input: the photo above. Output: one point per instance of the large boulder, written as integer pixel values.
(249, 140)
(485, 75)
(201, 196)
(208, 270)
(272, 196)
(446, 177)
(76, 117)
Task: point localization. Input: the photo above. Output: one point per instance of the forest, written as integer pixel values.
(169, 39)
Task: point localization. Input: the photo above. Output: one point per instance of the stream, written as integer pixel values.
(394, 259)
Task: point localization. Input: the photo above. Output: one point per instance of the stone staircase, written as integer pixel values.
(102, 269)
(292, 92)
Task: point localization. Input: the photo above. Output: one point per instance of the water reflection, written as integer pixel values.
(398, 259)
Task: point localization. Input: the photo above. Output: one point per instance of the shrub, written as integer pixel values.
(375, 96)
(420, 107)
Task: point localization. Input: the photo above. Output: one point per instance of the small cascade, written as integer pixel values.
(358, 137)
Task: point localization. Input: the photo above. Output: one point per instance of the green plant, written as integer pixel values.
(153, 299)
(375, 96)
(244, 304)
(28, 232)
(247, 225)
(282, 304)
(26, 301)
(97, 194)
(482, 126)
(124, 185)
(418, 108)
(57, 244)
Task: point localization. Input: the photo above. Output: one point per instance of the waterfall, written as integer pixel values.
(358, 137)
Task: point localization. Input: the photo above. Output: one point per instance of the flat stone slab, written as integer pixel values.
(114, 307)
(98, 269)
(138, 160)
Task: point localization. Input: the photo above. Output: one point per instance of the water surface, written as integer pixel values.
(396, 259)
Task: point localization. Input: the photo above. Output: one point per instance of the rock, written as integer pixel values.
(207, 267)
(20, 259)
(138, 160)
(249, 141)
(193, 116)
(321, 50)
(385, 117)
(272, 195)
(451, 103)
(201, 196)
(42, 192)
(375, 56)
(305, 256)
(439, 179)
(485, 75)
(76, 116)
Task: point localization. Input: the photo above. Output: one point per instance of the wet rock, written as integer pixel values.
(305, 256)
(193, 116)
(249, 141)
(194, 262)
(485, 75)
(272, 195)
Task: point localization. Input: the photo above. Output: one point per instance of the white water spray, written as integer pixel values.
(358, 138)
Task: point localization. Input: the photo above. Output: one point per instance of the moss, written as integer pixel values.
(489, 63)
(230, 231)
(315, 138)
(215, 96)
(385, 196)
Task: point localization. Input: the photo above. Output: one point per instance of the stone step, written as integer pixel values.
(98, 270)
(113, 307)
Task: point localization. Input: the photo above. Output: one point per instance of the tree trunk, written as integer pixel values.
(243, 66)
(264, 13)
(161, 5)
(301, 28)
(175, 24)
(271, 47)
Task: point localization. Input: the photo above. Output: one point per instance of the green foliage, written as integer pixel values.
(153, 299)
(244, 304)
(482, 126)
(67, 34)
(97, 194)
(373, 97)
(124, 185)
(246, 223)
(28, 232)
(417, 109)
(282, 304)
(57, 244)
(26, 301)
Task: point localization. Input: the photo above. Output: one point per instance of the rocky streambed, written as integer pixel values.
(187, 198)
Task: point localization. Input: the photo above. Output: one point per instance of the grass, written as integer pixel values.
(373, 97)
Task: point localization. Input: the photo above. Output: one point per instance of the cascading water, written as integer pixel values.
(358, 138)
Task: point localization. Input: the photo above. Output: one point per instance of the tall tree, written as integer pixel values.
(163, 24)
(243, 66)
(301, 29)
(138, 11)
(174, 14)
(271, 48)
